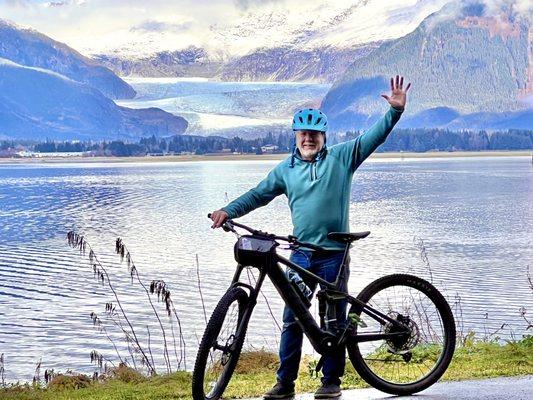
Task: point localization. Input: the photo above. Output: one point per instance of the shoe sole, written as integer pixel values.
(279, 396)
(328, 396)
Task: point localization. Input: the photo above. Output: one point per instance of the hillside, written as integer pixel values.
(190, 62)
(33, 49)
(461, 62)
(289, 64)
(37, 104)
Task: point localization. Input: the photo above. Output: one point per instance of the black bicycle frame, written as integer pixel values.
(322, 340)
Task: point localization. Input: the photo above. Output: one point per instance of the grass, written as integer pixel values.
(256, 373)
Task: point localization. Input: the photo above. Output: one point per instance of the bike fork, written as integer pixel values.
(252, 296)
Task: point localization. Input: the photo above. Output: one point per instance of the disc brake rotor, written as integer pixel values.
(226, 355)
(401, 344)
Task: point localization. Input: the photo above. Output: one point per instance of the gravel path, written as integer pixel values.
(520, 388)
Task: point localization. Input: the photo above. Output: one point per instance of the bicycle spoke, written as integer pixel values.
(424, 345)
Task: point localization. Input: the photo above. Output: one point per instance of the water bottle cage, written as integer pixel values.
(302, 296)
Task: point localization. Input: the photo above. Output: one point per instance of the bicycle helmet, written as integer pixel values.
(310, 119)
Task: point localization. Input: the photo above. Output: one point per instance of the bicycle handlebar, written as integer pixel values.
(229, 224)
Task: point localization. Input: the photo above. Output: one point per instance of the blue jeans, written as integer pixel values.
(290, 349)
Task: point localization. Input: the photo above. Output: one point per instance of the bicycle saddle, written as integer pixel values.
(345, 237)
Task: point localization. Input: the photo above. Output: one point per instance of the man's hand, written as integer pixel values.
(398, 96)
(218, 217)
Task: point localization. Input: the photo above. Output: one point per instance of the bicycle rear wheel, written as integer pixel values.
(413, 362)
(220, 347)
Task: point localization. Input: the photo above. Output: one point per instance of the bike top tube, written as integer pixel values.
(229, 224)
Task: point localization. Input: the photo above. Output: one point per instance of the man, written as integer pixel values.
(317, 182)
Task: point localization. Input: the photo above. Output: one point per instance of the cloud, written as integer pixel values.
(487, 8)
(226, 26)
(244, 5)
(513, 8)
(162, 26)
(28, 4)
(18, 3)
(53, 4)
(56, 3)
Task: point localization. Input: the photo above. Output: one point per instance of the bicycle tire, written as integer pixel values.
(210, 340)
(367, 366)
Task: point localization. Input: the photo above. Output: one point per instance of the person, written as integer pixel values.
(317, 182)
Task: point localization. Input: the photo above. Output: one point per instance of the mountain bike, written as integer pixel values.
(399, 332)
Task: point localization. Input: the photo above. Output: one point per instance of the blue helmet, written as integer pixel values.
(310, 119)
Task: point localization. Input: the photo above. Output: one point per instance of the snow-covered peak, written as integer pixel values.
(308, 25)
(6, 23)
(329, 23)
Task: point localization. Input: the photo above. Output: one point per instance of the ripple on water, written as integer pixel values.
(474, 217)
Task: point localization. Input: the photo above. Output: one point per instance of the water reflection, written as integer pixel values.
(474, 216)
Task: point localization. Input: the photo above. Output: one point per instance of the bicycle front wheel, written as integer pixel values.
(220, 347)
(407, 363)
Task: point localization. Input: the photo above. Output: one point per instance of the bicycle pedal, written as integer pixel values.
(356, 319)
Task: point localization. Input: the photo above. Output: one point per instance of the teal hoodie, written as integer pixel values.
(318, 191)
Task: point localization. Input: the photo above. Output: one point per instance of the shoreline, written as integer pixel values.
(256, 374)
(250, 157)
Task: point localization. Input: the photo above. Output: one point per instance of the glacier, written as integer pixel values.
(247, 109)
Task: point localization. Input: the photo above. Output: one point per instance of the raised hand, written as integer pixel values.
(398, 96)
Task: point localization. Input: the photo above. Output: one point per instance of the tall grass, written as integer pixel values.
(139, 357)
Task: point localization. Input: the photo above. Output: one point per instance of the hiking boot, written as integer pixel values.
(280, 391)
(328, 391)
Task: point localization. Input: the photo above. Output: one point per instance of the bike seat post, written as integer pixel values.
(340, 275)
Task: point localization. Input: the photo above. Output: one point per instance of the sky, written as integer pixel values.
(139, 27)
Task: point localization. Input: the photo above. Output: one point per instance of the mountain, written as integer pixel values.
(33, 49)
(466, 66)
(37, 104)
(290, 64)
(494, 120)
(445, 117)
(190, 62)
(273, 40)
(431, 118)
(264, 64)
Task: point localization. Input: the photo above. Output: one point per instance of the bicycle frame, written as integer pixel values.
(323, 341)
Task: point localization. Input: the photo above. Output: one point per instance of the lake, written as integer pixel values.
(473, 216)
